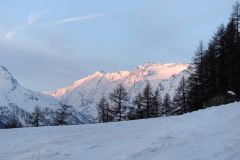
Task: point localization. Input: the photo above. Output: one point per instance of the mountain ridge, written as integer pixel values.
(59, 92)
(85, 93)
(19, 101)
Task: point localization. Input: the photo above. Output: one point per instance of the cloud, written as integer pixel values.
(80, 18)
(30, 20)
(9, 35)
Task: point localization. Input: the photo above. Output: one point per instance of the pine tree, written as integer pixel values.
(13, 121)
(197, 80)
(216, 69)
(231, 59)
(236, 16)
(199, 62)
(119, 100)
(180, 98)
(138, 111)
(62, 114)
(210, 74)
(147, 100)
(167, 105)
(37, 116)
(221, 65)
(131, 115)
(157, 104)
(104, 112)
(233, 49)
(193, 90)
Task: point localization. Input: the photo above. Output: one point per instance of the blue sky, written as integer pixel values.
(48, 44)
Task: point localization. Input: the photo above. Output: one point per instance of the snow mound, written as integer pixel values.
(232, 93)
(210, 134)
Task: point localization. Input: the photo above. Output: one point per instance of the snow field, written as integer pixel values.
(210, 134)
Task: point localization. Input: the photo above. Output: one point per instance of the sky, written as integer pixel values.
(48, 44)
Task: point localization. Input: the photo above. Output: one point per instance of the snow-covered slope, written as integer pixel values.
(210, 134)
(14, 97)
(85, 93)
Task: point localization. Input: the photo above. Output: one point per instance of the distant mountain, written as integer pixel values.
(21, 101)
(85, 93)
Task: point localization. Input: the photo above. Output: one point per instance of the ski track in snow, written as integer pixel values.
(210, 134)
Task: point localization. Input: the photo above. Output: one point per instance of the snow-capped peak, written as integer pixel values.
(86, 92)
(7, 81)
(97, 75)
(150, 71)
(15, 97)
(161, 70)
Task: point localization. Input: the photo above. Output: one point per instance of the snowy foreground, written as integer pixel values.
(210, 134)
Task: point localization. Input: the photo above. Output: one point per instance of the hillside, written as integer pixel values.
(21, 101)
(210, 134)
(85, 93)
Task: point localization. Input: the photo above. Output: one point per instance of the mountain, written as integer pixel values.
(21, 101)
(85, 93)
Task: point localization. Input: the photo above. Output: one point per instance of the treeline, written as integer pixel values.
(216, 76)
(39, 117)
(214, 80)
(146, 104)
